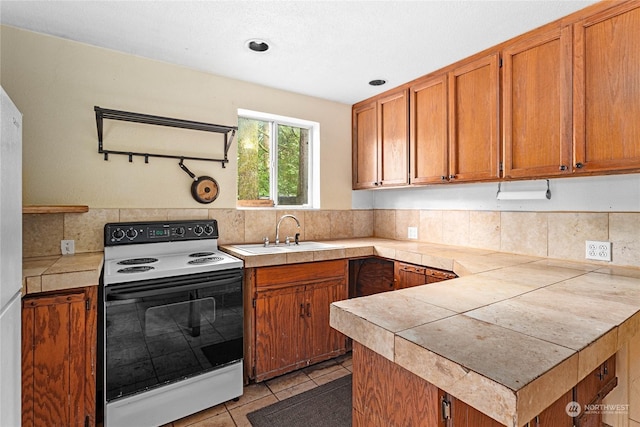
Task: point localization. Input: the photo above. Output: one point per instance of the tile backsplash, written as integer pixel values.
(559, 235)
(42, 232)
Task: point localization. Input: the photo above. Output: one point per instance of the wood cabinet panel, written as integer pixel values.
(429, 133)
(322, 341)
(58, 358)
(305, 272)
(556, 414)
(607, 90)
(380, 146)
(365, 146)
(393, 139)
(278, 330)
(388, 392)
(537, 105)
(290, 319)
(473, 120)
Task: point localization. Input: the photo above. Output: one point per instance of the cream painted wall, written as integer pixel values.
(56, 83)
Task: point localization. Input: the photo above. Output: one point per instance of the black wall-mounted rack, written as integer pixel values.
(103, 114)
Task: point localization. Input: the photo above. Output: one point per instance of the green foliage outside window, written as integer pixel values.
(254, 158)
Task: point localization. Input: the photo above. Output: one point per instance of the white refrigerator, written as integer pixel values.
(10, 261)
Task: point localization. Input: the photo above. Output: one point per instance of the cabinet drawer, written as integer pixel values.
(300, 273)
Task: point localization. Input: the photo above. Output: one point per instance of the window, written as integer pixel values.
(275, 160)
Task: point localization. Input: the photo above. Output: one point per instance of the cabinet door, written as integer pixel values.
(279, 314)
(463, 415)
(407, 275)
(393, 139)
(556, 414)
(607, 90)
(365, 146)
(473, 120)
(429, 133)
(54, 360)
(537, 105)
(321, 340)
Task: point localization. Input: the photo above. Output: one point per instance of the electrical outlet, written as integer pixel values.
(597, 250)
(67, 247)
(412, 232)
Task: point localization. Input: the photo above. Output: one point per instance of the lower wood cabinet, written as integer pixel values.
(59, 338)
(385, 394)
(291, 316)
(592, 389)
(373, 275)
(408, 275)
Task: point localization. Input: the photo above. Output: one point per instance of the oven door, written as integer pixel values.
(164, 330)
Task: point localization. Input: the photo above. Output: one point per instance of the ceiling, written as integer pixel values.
(326, 49)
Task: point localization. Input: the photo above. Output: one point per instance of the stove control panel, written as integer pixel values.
(123, 233)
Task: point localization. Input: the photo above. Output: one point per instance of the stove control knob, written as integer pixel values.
(208, 230)
(179, 231)
(117, 234)
(198, 230)
(131, 233)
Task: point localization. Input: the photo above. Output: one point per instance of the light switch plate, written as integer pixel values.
(67, 247)
(412, 232)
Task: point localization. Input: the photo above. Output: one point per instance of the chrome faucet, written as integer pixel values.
(278, 226)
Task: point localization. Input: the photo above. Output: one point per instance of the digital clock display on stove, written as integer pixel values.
(158, 232)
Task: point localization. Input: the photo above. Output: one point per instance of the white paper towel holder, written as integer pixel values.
(524, 195)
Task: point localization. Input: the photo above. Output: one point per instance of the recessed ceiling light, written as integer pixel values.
(377, 82)
(258, 45)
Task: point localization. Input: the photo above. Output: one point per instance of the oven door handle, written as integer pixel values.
(115, 295)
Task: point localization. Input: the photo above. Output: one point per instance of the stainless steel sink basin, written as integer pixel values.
(259, 248)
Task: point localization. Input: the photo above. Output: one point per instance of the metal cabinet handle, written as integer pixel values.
(579, 165)
(563, 168)
(452, 177)
(308, 309)
(443, 178)
(302, 310)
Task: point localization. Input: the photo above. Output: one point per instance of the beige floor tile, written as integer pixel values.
(283, 382)
(221, 420)
(239, 413)
(322, 368)
(296, 389)
(199, 416)
(334, 375)
(250, 393)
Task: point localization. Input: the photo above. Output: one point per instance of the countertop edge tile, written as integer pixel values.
(482, 393)
(57, 273)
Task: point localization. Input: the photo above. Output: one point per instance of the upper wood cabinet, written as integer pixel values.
(606, 96)
(429, 131)
(473, 120)
(536, 100)
(566, 101)
(454, 134)
(380, 141)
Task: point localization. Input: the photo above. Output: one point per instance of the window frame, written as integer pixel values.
(313, 181)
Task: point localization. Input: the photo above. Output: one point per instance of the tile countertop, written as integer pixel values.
(55, 273)
(510, 336)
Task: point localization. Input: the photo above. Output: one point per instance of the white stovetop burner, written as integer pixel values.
(164, 259)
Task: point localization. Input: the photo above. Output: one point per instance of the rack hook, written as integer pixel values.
(106, 156)
(130, 157)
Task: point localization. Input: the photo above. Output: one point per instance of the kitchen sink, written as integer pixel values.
(259, 248)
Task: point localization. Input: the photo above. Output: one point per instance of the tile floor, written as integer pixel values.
(256, 396)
